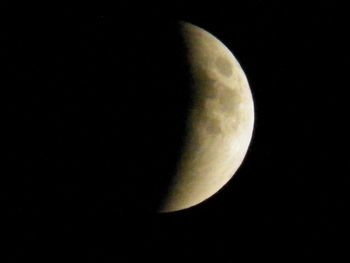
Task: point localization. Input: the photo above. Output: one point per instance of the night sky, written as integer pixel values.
(95, 102)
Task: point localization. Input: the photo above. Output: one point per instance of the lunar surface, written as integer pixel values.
(220, 124)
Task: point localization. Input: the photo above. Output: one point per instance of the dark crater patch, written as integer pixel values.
(228, 99)
(224, 66)
(213, 125)
(206, 83)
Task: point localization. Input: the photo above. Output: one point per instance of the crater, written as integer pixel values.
(213, 126)
(212, 92)
(224, 66)
(204, 79)
(228, 100)
(215, 90)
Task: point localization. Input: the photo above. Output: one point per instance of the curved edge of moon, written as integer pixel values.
(220, 125)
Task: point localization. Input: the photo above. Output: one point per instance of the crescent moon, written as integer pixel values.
(220, 123)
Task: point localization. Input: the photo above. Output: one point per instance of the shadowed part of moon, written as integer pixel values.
(224, 66)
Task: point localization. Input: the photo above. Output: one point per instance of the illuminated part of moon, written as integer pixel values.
(220, 124)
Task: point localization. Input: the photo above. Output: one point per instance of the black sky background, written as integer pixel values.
(95, 106)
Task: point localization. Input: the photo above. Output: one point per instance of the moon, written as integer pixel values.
(220, 123)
